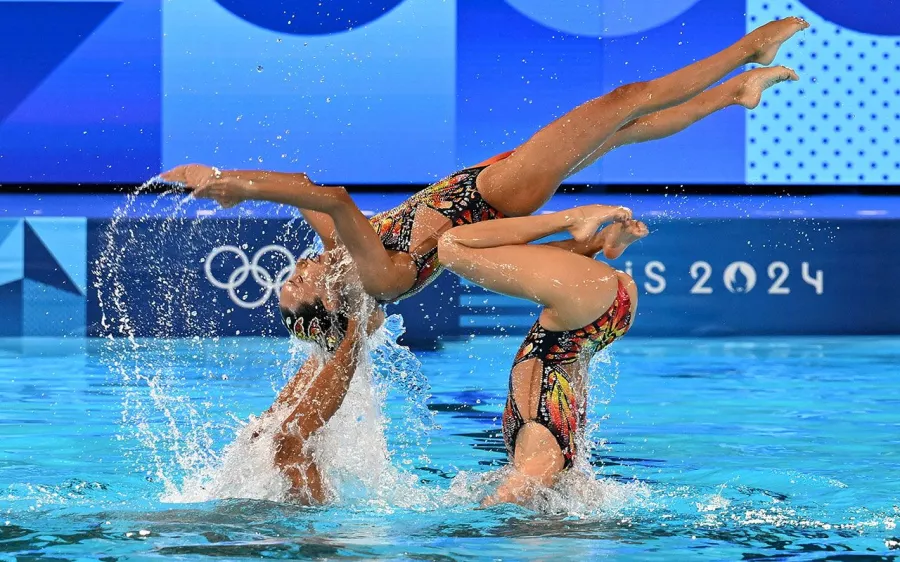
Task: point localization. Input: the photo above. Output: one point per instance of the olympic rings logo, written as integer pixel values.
(250, 267)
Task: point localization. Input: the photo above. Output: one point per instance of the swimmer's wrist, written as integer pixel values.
(244, 186)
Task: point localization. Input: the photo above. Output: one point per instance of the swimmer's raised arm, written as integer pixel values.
(323, 390)
(340, 363)
(313, 395)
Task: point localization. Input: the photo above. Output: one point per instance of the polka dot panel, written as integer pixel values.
(840, 124)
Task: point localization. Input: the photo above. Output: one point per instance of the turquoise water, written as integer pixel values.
(758, 449)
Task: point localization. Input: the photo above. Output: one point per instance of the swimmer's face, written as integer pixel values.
(308, 308)
(305, 284)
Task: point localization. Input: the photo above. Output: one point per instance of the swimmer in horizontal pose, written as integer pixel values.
(587, 306)
(394, 254)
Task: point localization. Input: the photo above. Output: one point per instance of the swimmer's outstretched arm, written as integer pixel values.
(744, 89)
(380, 276)
(198, 175)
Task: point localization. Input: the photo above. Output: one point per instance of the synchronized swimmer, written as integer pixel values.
(475, 223)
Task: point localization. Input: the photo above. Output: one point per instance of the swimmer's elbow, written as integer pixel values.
(295, 432)
(340, 197)
(289, 448)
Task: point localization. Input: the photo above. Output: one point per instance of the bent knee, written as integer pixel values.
(631, 97)
(634, 90)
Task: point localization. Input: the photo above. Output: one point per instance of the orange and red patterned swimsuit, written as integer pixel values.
(558, 406)
(456, 197)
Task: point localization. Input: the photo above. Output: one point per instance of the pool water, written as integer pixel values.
(776, 449)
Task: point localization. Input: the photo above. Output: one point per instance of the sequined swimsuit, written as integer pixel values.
(456, 197)
(559, 409)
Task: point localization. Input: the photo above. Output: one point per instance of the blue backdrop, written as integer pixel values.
(396, 91)
(712, 266)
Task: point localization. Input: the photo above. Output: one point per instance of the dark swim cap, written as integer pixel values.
(310, 321)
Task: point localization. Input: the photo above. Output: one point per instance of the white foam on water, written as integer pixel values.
(581, 491)
(576, 493)
(351, 451)
(177, 432)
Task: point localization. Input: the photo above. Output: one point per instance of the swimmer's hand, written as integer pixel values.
(225, 192)
(191, 175)
(208, 182)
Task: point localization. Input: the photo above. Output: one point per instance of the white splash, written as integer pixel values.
(351, 450)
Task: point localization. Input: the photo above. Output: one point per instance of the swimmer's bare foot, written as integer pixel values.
(766, 40)
(620, 235)
(589, 218)
(754, 82)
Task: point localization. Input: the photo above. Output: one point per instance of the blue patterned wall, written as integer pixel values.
(80, 100)
(43, 276)
(724, 267)
(841, 125)
(396, 91)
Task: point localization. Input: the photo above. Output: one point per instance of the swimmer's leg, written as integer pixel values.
(523, 182)
(496, 255)
(616, 237)
(744, 89)
(537, 461)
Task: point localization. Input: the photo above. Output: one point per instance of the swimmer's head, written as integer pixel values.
(308, 309)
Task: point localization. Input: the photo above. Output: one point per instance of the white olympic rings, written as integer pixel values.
(247, 268)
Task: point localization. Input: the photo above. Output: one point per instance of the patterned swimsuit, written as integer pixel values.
(455, 197)
(558, 405)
